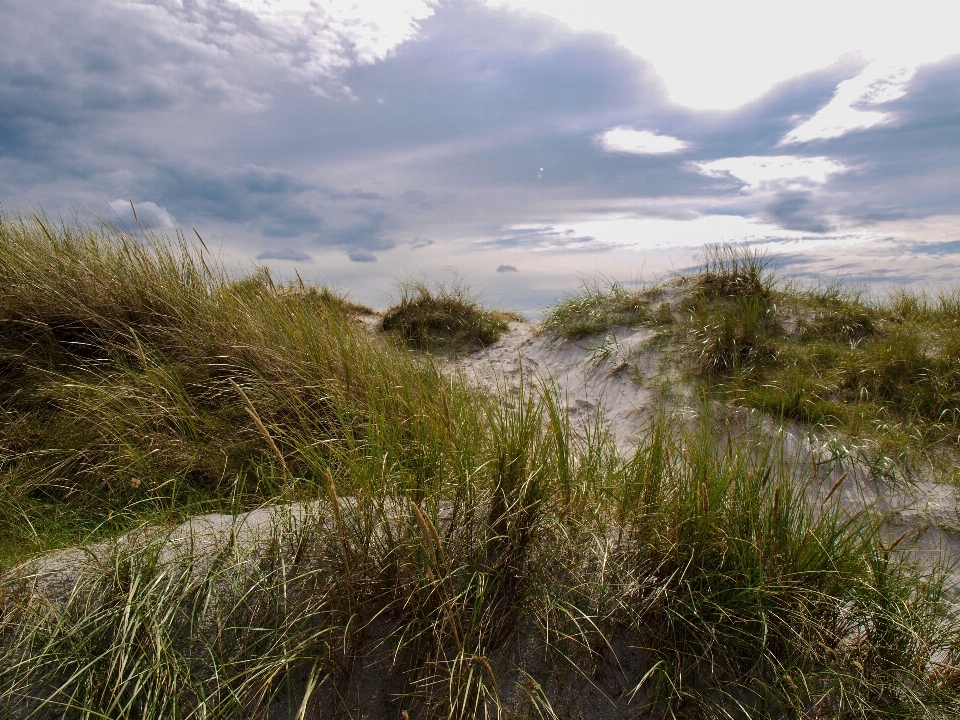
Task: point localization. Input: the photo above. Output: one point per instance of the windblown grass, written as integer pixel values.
(882, 370)
(453, 556)
(138, 377)
(443, 317)
(554, 578)
(596, 309)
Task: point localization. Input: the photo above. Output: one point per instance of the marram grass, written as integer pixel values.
(443, 317)
(449, 554)
(884, 371)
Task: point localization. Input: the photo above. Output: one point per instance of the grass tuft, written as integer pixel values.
(883, 371)
(597, 309)
(734, 272)
(443, 317)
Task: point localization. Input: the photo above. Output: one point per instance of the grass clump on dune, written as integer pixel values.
(884, 370)
(597, 309)
(443, 317)
(450, 555)
(733, 313)
(138, 377)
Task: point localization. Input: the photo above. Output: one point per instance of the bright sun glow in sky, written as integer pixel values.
(715, 54)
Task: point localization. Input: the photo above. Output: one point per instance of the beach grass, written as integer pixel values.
(883, 371)
(443, 317)
(432, 550)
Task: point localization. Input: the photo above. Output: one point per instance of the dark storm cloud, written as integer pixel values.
(214, 116)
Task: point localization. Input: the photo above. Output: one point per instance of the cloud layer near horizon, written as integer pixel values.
(484, 131)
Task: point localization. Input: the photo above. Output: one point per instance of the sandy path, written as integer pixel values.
(594, 385)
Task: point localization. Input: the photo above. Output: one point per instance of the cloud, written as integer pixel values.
(506, 269)
(132, 217)
(797, 211)
(722, 54)
(852, 106)
(361, 255)
(416, 200)
(951, 247)
(226, 191)
(275, 202)
(541, 237)
(360, 238)
(639, 142)
(908, 166)
(290, 254)
(659, 233)
(355, 194)
(99, 74)
(782, 170)
(371, 29)
(280, 130)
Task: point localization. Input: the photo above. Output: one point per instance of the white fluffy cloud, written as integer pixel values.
(639, 142)
(373, 27)
(780, 170)
(133, 217)
(852, 107)
(367, 30)
(309, 40)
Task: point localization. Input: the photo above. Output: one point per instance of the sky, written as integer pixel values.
(520, 147)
